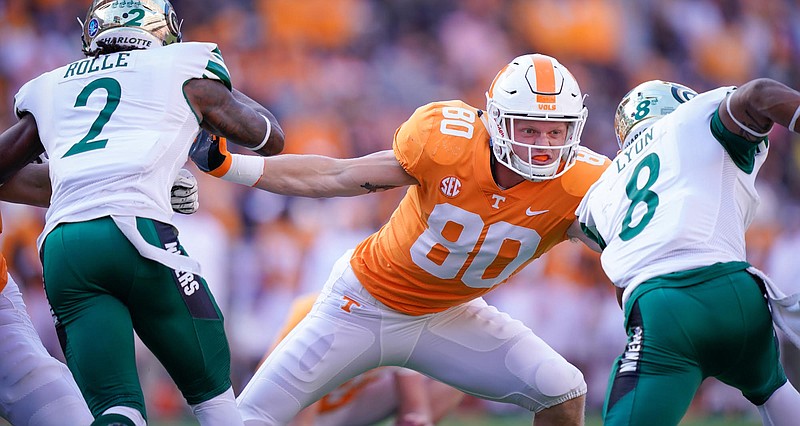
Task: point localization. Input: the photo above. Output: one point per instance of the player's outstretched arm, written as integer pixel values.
(319, 176)
(751, 110)
(575, 233)
(313, 176)
(235, 116)
(20, 144)
(31, 185)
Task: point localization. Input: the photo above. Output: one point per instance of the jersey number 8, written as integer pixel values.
(639, 195)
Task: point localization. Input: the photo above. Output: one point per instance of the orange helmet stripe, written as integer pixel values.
(497, 77)
(545, 79)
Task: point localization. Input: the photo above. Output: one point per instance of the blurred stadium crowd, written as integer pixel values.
(342, 75)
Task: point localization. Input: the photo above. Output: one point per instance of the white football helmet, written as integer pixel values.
(130, 24)
(534, 87)
(644, 105)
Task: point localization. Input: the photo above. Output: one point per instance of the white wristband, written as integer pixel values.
(793, 123)
(266, 136)
(742, 126)
(245, 169)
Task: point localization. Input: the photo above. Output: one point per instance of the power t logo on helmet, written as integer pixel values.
(113, 26)
(535, 88)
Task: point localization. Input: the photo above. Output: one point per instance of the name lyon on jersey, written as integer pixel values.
(652, 186)
(634, 150)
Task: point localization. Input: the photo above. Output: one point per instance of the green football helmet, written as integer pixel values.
(129, 24)
(645, 104)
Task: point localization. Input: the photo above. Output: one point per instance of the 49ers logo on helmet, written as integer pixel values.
(450, 186)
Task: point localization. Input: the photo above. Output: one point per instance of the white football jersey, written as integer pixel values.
(117, 129)
(680, 197)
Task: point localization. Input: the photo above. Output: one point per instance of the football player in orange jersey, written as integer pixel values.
(489, 192)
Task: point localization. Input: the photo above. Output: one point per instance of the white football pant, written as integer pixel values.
(35, 388)
(472, 347)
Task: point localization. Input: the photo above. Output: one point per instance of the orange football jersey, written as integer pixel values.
(457, 234)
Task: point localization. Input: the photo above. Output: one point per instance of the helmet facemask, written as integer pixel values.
(118, 25)
(535, 88)
(644, 105)
(531, 164)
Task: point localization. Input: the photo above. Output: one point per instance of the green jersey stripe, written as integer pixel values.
(221, 72)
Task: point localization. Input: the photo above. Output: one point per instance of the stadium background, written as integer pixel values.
(341, 75)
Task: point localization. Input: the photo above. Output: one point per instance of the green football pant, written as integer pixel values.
(678, 336)
(101, 290)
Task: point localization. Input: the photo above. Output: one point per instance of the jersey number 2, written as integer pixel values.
(113, 95)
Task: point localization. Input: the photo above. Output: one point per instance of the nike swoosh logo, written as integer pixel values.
(530, 212)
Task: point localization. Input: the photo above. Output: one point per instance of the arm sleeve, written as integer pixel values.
(205, 61)
(23, 100)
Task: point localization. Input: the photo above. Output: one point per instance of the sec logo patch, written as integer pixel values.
(450, 186)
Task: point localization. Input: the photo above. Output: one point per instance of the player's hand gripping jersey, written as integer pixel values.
(689, 225)
(106, 156)
(457, 234)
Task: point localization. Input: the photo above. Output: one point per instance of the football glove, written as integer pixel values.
(210, 153)
(184, 195)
